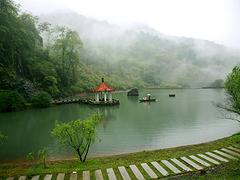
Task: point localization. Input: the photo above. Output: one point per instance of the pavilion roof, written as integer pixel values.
(103, 87)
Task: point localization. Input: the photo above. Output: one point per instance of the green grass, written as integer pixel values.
(92, 164)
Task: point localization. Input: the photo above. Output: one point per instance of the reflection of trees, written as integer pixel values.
(107, 112)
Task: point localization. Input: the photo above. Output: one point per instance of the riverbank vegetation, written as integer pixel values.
(67, 166)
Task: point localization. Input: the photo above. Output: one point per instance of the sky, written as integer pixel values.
(214, 20)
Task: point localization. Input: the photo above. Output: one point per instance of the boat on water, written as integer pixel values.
(147, 98)
(171, 95)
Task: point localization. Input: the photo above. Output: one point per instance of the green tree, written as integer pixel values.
(2, 138)
(78, 134)
(42, 99)
(11, 101)
(66, 54)
(232, 86)
(42, 156)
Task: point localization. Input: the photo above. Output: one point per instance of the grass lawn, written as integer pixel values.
(231, 169)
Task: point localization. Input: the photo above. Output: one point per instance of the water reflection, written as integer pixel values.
(188, 118)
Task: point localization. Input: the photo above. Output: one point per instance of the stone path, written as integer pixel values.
(150, 170)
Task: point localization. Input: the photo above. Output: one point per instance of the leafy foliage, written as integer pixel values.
(42, 99)
(2, 138)
(11, 101)
(42, 156)
(232, 86)
(30, 156)
(78, 134)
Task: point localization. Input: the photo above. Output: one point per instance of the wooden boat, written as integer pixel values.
(147, 100)
(171, 95)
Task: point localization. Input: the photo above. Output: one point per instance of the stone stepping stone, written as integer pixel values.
(216, 156)
(73, 175)
(86, 175)
(35, 177)
(124, 173)
(98, 174)
(160, 168)
(136, 172)
(22, 178)
(230, 152)
(111, 174)
(200, 161)
(10, 178)
(48, 177)
(233, 148)
(209, 159)
(171, 167)
(180, 164)
(193, 164)
(224, 154)
(60, 176)
(149, 171)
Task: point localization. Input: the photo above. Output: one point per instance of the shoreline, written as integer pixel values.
(95, 156)
(101, 155)
(14, 168)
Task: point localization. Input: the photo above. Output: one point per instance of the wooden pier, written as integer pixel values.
(86, 101)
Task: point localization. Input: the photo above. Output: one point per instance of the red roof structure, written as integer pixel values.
(103, 87)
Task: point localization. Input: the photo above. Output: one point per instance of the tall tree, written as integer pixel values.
(66, 52)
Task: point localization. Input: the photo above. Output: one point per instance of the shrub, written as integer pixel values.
(11, 101)
(41, 100)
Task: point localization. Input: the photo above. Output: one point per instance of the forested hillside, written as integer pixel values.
(142, 56)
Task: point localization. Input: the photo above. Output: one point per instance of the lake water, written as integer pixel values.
(189, 118)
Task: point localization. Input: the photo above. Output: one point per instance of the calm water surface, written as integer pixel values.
(188, 118)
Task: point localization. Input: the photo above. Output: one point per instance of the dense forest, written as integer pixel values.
(62, 54)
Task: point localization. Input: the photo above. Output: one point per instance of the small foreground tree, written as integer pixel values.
(232, 86)
(2, 138)
(78, 134)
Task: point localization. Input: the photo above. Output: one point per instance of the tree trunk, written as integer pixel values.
(79, 154)
(87, 150)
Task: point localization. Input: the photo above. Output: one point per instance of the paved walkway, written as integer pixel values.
(151, 170)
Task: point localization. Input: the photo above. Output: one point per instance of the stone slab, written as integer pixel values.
(86, 175)
(160, 168)
(224, 154)
(98, 174)
(231, 152)
(35, 177)
(180, 164)
(60, 176)
(124, 173)
(136, 172)
(149, 171)
(209, 159)
(216, 157)
(233, 148)
(193, 164)
(200, 161)
(171, 167)
(111, 174)
(73, 176)
(22, 178)
(48, 177)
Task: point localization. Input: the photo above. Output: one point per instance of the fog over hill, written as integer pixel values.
(146, 57)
